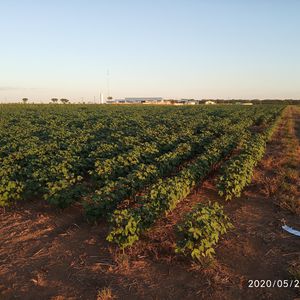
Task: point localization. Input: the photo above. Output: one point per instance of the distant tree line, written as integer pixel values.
(62, 100)
(54, 100)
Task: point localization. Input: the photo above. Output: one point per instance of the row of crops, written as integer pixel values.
(127, 164)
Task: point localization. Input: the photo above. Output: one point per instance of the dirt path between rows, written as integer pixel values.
(48, 254)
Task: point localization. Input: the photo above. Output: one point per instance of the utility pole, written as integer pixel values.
(108, 83)
(101, 98)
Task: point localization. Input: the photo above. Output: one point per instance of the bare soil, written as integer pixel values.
(53, 254)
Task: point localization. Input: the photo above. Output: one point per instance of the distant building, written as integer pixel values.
(209, 102)
(153, 100)
(243, 103)
(115, 101)
(144, 100)
(188, 101)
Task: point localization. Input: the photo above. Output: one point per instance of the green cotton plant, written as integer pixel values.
(44, 148)
(200, 231)
(125, 228)
(106, 199)
(237, 173)
(10, 190)
(163, 196)
(125, 162)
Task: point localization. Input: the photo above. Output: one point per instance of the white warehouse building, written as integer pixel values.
(144, 99)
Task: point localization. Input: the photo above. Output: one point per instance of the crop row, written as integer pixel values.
(237, 172)
(48, 160)
(128, 224)
(63, 153)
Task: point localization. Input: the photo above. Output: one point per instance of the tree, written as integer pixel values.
(63, 100)
(54, 100)
(25, 100)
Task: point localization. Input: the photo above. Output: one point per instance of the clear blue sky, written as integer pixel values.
(169, 48)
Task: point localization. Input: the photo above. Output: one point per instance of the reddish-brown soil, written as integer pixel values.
(52, 254)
